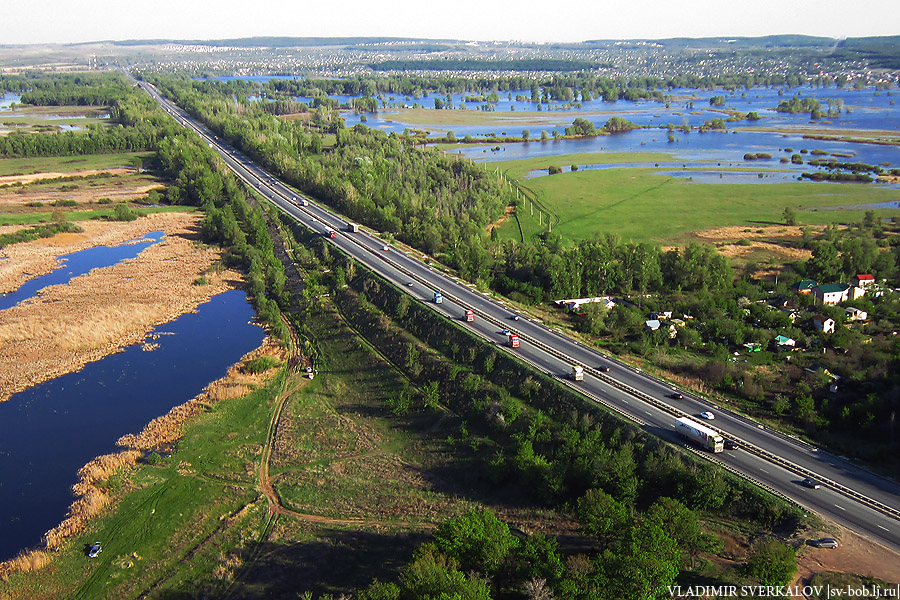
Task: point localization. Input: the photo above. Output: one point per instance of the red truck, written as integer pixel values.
(513, 340)
(470, 315)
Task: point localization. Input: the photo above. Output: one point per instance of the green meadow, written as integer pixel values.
(639, 204)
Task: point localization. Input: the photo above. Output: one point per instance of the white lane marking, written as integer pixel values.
(648, 412)
(840, 507)
(885, 528)
(763, 470)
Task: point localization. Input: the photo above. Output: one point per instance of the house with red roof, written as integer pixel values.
(863, 280)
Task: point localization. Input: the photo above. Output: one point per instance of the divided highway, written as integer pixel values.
(851, 496)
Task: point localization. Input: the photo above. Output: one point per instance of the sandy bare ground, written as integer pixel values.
(100, 312)
(24, 179)
(85, 192)
(855, 554)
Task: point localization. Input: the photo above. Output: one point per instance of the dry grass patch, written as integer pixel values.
(100, 312)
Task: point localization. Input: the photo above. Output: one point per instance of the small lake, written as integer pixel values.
(48, 432)
(79, 263)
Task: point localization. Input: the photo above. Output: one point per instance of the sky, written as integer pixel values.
(67, 21)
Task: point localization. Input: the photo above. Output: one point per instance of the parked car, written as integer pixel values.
(826, 542)
(95, 550)
(708, 416)
(811, 483)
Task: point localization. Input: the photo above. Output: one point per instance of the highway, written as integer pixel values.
(850, 496)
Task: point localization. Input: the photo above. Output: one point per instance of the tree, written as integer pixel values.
(434, 576)
(600, 514)
(772, 562)
(618, 124)
(790, 217)
(581, 127)
(525, 135)
(477, 539)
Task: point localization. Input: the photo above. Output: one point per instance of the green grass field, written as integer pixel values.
(639, 205)
(68, 164)
(82, 215)
(515, 121)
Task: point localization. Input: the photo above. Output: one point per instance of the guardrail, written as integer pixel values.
(759, 452)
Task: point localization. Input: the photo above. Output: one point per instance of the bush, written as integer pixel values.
(123, 212)
(63, 202)
(260, 365)
(105, 201)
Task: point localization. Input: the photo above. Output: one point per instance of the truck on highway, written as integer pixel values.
(699, 434)
(577, 373)
(513, 340)
(470, 315)
(352, 227)
(438, 298)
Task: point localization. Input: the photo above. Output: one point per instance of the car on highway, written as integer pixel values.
(385, 248)
(603, 368)
(95, 550)
(825, 542)
(676, 396)
(707, 415)
(515, 317)
(811, 483)
(731, 445)
(409, 284)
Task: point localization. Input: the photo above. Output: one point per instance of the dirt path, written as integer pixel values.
(276, 508)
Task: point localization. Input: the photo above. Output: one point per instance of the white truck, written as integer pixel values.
(352, 227)
(577, 373)
(699, 434)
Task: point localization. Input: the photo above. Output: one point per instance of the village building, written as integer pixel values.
(823, 323)
(832, 293)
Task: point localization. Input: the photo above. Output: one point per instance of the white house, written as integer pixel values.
(863, 280)
(832, 293)
(823, 323)
(854, 314)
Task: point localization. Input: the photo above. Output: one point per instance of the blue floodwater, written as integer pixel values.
(859, 109)
(79, 263)
(51, 430)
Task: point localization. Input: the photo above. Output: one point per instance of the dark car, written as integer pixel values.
(95, 550)
(731, 445)
(676, 396)
(826, 542)
(811, 483)
(604, 368)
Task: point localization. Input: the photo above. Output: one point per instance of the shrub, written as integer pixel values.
(105, 201)
(261, 364)
(123, 212)
(64, 202)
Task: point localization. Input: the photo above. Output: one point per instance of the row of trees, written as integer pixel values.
(635, 498)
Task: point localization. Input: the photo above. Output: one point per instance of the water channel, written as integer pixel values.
(52, 429)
